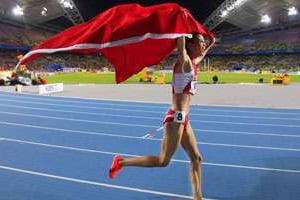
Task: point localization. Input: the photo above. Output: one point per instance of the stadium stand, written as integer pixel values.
(274, 51)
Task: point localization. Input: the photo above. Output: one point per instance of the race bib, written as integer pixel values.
(193, 86)
(179, 116)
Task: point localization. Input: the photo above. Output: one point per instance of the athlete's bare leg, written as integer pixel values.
(171, 140)
(189, 144)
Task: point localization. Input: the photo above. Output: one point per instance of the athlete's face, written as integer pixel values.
(198, 45)
(201, 42)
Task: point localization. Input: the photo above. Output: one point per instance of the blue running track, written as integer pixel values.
(54, 148)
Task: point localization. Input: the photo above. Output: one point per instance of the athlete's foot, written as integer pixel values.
(115, 166)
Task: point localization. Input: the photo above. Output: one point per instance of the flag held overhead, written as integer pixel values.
(130, 36)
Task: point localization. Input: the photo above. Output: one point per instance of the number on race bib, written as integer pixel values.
(179, 116)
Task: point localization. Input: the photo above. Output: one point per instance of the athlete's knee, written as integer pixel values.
(197, 159)
(164, 162)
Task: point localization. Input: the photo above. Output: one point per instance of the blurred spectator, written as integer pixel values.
(288, 40)
(42, 80)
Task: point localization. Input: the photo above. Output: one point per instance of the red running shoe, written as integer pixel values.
(115, 166)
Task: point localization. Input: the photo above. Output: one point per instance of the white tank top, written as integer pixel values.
(185, 83)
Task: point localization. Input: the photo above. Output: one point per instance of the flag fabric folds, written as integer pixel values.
(130, 36)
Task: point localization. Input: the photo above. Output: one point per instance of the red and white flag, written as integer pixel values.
(130, 36)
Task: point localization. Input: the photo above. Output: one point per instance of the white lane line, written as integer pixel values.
(253, 168)
(143, 117)
(76, 120)
(132, 155)
(247, 133)
(153, 133)
(87, 182)
(140, 106)
(141, 125)
(250, 146)
(248, 117)
(78, 112)
(70, 130)
(145, 137)
(125, 104)
(83, 107)
(252, 124)
(196, 130)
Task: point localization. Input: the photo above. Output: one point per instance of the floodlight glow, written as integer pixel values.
(292, 11)
(231, 7)
(18, 11)
(224, 13)
(265, 19)
(66, 4)
(238, 2)
(44, 11)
